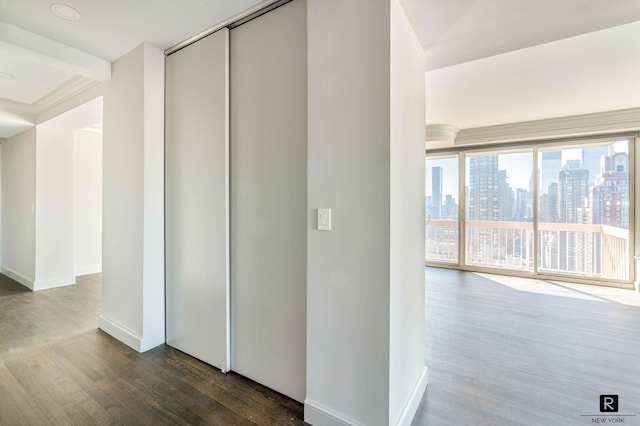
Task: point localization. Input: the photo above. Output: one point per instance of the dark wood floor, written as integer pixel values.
(512, 351)
(500, 351)
(57, 368)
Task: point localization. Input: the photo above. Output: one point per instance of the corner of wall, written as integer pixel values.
(53, 283)
(318, 414)
(413, 402)
(154, 332)
(27, 282)
(120, 332)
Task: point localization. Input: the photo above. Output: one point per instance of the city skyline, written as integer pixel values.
(582, 210)
(518, 164)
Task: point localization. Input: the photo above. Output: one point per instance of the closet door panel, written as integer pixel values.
(269, 197)
(196, 151)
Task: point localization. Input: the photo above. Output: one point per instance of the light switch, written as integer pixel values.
(324, 219)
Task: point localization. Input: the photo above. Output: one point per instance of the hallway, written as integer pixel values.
(57, 368)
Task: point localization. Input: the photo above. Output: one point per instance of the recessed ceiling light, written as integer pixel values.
(64, 11)
(7, 75)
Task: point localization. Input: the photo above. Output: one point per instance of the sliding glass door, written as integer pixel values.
(584, 210)
(499, 210)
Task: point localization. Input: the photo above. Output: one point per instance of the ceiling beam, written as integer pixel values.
(52, 53)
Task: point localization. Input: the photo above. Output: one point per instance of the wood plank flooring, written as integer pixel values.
(513, 351)
(500, 351)
(57, 368)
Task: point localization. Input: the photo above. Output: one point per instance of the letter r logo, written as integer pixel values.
(608, 403)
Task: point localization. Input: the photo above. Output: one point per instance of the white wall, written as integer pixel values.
(348, 171)
(133, 200)
(153, 314)
(54, 208)
(365, 278)
(407, 373)
(1, 141)
(87, 202)
(18, 207)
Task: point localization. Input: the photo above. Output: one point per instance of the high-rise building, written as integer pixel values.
(585, 241)
(549, 204)
(592, 161)
(573, 188)
(611, 192)
(551, 163)
(505, 198)
(436, 192)
(489, 198)
(482, 197)
(549, 239)
(521, 213)
(450, 208)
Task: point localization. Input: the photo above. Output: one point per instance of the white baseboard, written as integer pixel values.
(411, 407)
(319, 415)
(87, 270)
(120, 332)
(18, 277)
(57, 282)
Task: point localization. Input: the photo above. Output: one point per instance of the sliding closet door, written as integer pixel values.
(268, 198)
(197, 200)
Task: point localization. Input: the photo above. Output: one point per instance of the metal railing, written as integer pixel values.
(586, 250)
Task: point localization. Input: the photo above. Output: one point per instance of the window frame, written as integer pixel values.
(535, 146)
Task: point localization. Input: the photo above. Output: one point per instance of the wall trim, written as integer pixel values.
(16, 106)
(411, 407)
(18, 277)
(87, 270)
(318, 414)
(440, 134)
(120, 332)
(67, 91)
(56, 282)
(576, 125)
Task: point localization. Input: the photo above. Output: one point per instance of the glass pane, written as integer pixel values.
(583, 211)
(441, 210)
(499, 210)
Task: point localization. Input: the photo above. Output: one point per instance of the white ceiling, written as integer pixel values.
(51, 57)
(589, 73)
(452, 31)
(109, 29)
(458, 31)
(33, 78)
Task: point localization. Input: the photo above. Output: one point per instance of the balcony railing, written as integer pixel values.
(587, 250)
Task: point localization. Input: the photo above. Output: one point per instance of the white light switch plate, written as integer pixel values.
(324, 219)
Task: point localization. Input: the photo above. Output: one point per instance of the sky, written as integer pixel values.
(519, 167)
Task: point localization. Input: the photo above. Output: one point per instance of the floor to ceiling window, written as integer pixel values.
(552, 209)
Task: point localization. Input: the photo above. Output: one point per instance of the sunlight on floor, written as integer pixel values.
(558, 288)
